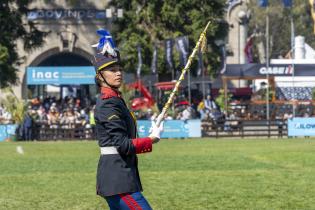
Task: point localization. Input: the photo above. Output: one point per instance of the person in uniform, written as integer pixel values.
(118, 179)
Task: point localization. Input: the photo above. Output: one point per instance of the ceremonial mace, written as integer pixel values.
(203, 42)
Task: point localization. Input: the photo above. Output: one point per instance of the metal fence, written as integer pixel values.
(60, 132)
(244, 128)
(217, 129)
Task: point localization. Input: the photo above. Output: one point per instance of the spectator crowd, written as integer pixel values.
(69, 113)
(51, 113)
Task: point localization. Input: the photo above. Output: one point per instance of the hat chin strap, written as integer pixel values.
(111, 86)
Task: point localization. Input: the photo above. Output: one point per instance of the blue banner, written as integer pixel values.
(301, 127)
(61, 75)
(6, 131)
(173, 128)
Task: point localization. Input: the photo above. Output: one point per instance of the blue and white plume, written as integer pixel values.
(106, 43)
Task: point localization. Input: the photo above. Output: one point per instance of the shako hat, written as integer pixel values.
(107, 52)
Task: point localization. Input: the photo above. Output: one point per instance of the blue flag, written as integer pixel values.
(263, 3)
(287, 3)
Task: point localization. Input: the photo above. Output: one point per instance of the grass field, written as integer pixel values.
(179, 174)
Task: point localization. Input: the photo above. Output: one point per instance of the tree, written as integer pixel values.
(149, 22)
(280, 27)
(14, 27)
(15, 106)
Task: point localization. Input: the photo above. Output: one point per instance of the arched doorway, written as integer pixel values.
(65, 59)
(85, 92)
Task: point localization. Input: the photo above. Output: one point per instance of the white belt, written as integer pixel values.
(109, 150)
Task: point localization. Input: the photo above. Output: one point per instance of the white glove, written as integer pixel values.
(155, 131)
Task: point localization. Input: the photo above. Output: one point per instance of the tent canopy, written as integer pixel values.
(165, 85)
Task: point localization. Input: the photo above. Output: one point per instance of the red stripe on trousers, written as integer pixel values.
(124, 198)
(134, 202)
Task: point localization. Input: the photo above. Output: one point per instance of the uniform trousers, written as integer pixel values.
(128, 201)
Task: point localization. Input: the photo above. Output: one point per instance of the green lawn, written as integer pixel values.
(179, 174)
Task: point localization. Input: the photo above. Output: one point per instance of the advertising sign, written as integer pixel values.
(301, 127)
(66, 14)
(255, 70)
(60, 75)
(6, 131)
(173, 128)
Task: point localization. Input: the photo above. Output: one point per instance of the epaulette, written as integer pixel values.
(107, 92)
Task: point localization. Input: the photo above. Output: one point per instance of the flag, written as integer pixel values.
(312, 2)
(287, 3)
(182, 45)
(139, 61)
(263, 3)
(169, 54)
(154, 60)
(200, 63)
(223, 59)
(249, 48)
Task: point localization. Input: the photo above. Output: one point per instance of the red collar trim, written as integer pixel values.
(107, 92)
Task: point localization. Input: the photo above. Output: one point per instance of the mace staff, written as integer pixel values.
(202, 41)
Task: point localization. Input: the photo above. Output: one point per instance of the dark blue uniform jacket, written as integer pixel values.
(115, 126)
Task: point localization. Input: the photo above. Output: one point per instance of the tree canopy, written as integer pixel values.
(152, 22)
(14, 27)
(280, 26)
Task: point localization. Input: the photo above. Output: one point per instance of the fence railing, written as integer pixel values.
(217, 129)
(62, 132)
(244, 128)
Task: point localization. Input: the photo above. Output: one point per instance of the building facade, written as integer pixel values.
(71, 30)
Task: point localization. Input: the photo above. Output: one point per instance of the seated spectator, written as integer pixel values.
(201, 110)
(306, 114)
(149, 114)
(42, 117)
(84, 118)
(187, 113)
(53, 117)
(210, 104)
(179, 115)
(71, 118)
(168, 117)
(35, 103)
(287, 115)
(248, 116)
(232, 122)
(77, 114)
(63, 119)
(233, 119)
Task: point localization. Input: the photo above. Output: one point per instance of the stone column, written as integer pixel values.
(243, 19)
(243, 28)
